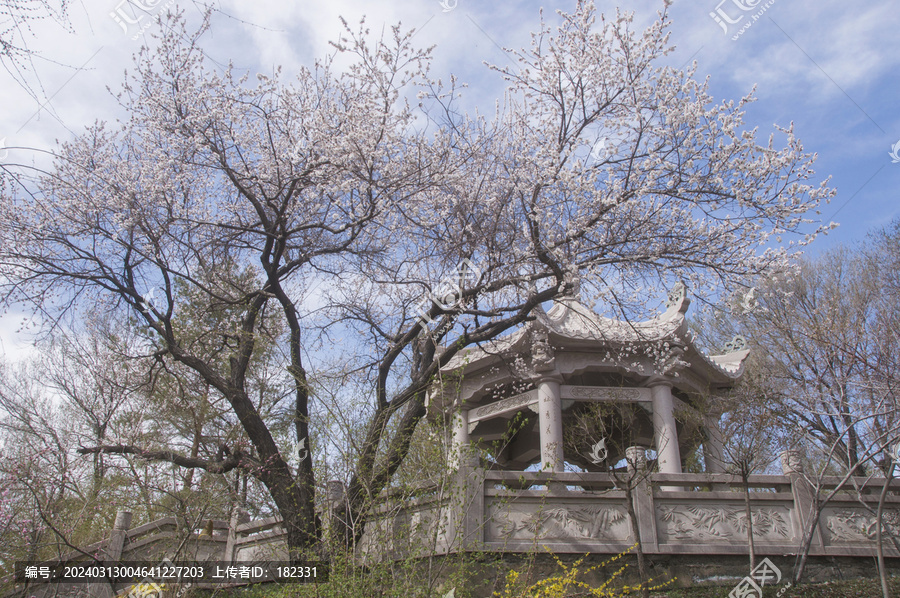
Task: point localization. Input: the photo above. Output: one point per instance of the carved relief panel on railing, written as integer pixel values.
(853, 525)
(725, 524)
(518, 522)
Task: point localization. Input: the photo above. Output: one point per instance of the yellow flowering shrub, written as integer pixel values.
(570, 582)
(141, 590)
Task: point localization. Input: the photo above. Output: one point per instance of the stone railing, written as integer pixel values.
(478, 509)
(708, 518)
(677, 514)
(233, 541)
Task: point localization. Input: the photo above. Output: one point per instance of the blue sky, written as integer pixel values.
(833, 68)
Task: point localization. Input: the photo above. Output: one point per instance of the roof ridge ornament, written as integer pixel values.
(738, 343)
(677, 299)
(573, 284)
(542, 354)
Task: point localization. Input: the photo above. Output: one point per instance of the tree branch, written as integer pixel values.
(225, 463)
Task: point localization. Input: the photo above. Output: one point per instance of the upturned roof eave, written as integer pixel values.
(570, 325)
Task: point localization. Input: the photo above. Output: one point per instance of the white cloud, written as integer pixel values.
(854, 45)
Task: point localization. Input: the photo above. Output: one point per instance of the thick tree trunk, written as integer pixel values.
(804, 549)
(297, 510)
(369, 480)
(296, 494)
(99, 471)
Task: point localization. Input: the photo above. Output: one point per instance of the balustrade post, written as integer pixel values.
(713, 444)
(113, 551)
(642, 493)
(804, 497)
(336, 496)
(238, 516)
(468, 496)
(713, 448)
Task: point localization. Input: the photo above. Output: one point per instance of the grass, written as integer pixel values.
(862, 588)
(850, 588)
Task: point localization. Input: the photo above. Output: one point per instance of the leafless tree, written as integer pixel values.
(825, 340)
(609, 431)
(748, 445)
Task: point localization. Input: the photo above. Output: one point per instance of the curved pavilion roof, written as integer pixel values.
(571, 326)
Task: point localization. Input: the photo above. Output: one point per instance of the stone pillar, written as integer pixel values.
(113, 552)
(336, 495)
(665, 433)
(238, 516)
(459, 447)
(550, 414)
(117, 536)
(713, 445)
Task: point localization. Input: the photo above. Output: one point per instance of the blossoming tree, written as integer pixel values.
(602, 166)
